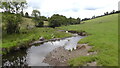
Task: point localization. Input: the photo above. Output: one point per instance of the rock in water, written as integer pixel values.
(41, 39)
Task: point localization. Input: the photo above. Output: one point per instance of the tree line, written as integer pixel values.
(55, 20)
(13, 13)
(58, 20)
(105, 14)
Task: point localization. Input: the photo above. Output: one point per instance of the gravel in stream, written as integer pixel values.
(60, 56)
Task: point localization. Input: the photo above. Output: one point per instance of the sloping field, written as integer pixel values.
(103, 37)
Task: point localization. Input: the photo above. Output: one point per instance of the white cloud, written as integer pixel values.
(72, 8)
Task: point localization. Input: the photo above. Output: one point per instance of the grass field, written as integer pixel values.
(103, 37)
(26, 22)
(46, 23)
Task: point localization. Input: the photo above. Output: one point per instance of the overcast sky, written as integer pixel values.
(72, 8)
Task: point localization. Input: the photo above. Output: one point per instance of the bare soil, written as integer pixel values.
(60, 56)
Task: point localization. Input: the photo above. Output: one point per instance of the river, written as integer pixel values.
(34, 55)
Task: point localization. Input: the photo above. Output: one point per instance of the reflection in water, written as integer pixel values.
(35, 55)
(17, 58)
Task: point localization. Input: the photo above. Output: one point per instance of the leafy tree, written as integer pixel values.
(12, 22)
(16, 6)
(23, 5)
(36, 13)
(6, 6)
(70, 20)
(37, 18)
(13, 6)
(57, 20)
(73, 21)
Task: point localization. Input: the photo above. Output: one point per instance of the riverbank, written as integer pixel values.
(17, 41)
(34, 55)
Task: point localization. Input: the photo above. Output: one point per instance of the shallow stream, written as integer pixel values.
(34, 55)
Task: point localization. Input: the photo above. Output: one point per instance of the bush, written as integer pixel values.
(12, 22)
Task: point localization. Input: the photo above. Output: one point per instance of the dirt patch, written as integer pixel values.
(60, 56)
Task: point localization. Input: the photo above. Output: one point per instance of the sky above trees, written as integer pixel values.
(73, 8)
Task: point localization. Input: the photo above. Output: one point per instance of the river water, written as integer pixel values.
(34, 55)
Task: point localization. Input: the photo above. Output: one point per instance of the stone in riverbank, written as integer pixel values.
(41, 39)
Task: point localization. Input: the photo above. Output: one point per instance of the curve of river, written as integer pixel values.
(34, 55)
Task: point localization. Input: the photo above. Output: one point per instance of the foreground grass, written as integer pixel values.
(103, 38)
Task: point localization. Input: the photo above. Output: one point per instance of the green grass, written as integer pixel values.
(103, 38)
(36, 33)
(26, 22)
(82, 60)
(12, 40)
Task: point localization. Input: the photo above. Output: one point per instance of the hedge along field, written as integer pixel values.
(103, 37)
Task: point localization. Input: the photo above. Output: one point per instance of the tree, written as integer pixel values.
(57, 20)
(35, 13)
(12, 22)
(12, 17)
(112, 12)
(16, 6)
(117, 11)
(70, 20)
(93, 17)
(26, 14)
(78, 20)
(23, 5)
(73, 21)
(37, 19)
(6, 6)
(13, 6)
(106, 13)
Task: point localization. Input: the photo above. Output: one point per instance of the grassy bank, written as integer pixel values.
(35, 33)
(103, 38)
(27, 35)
